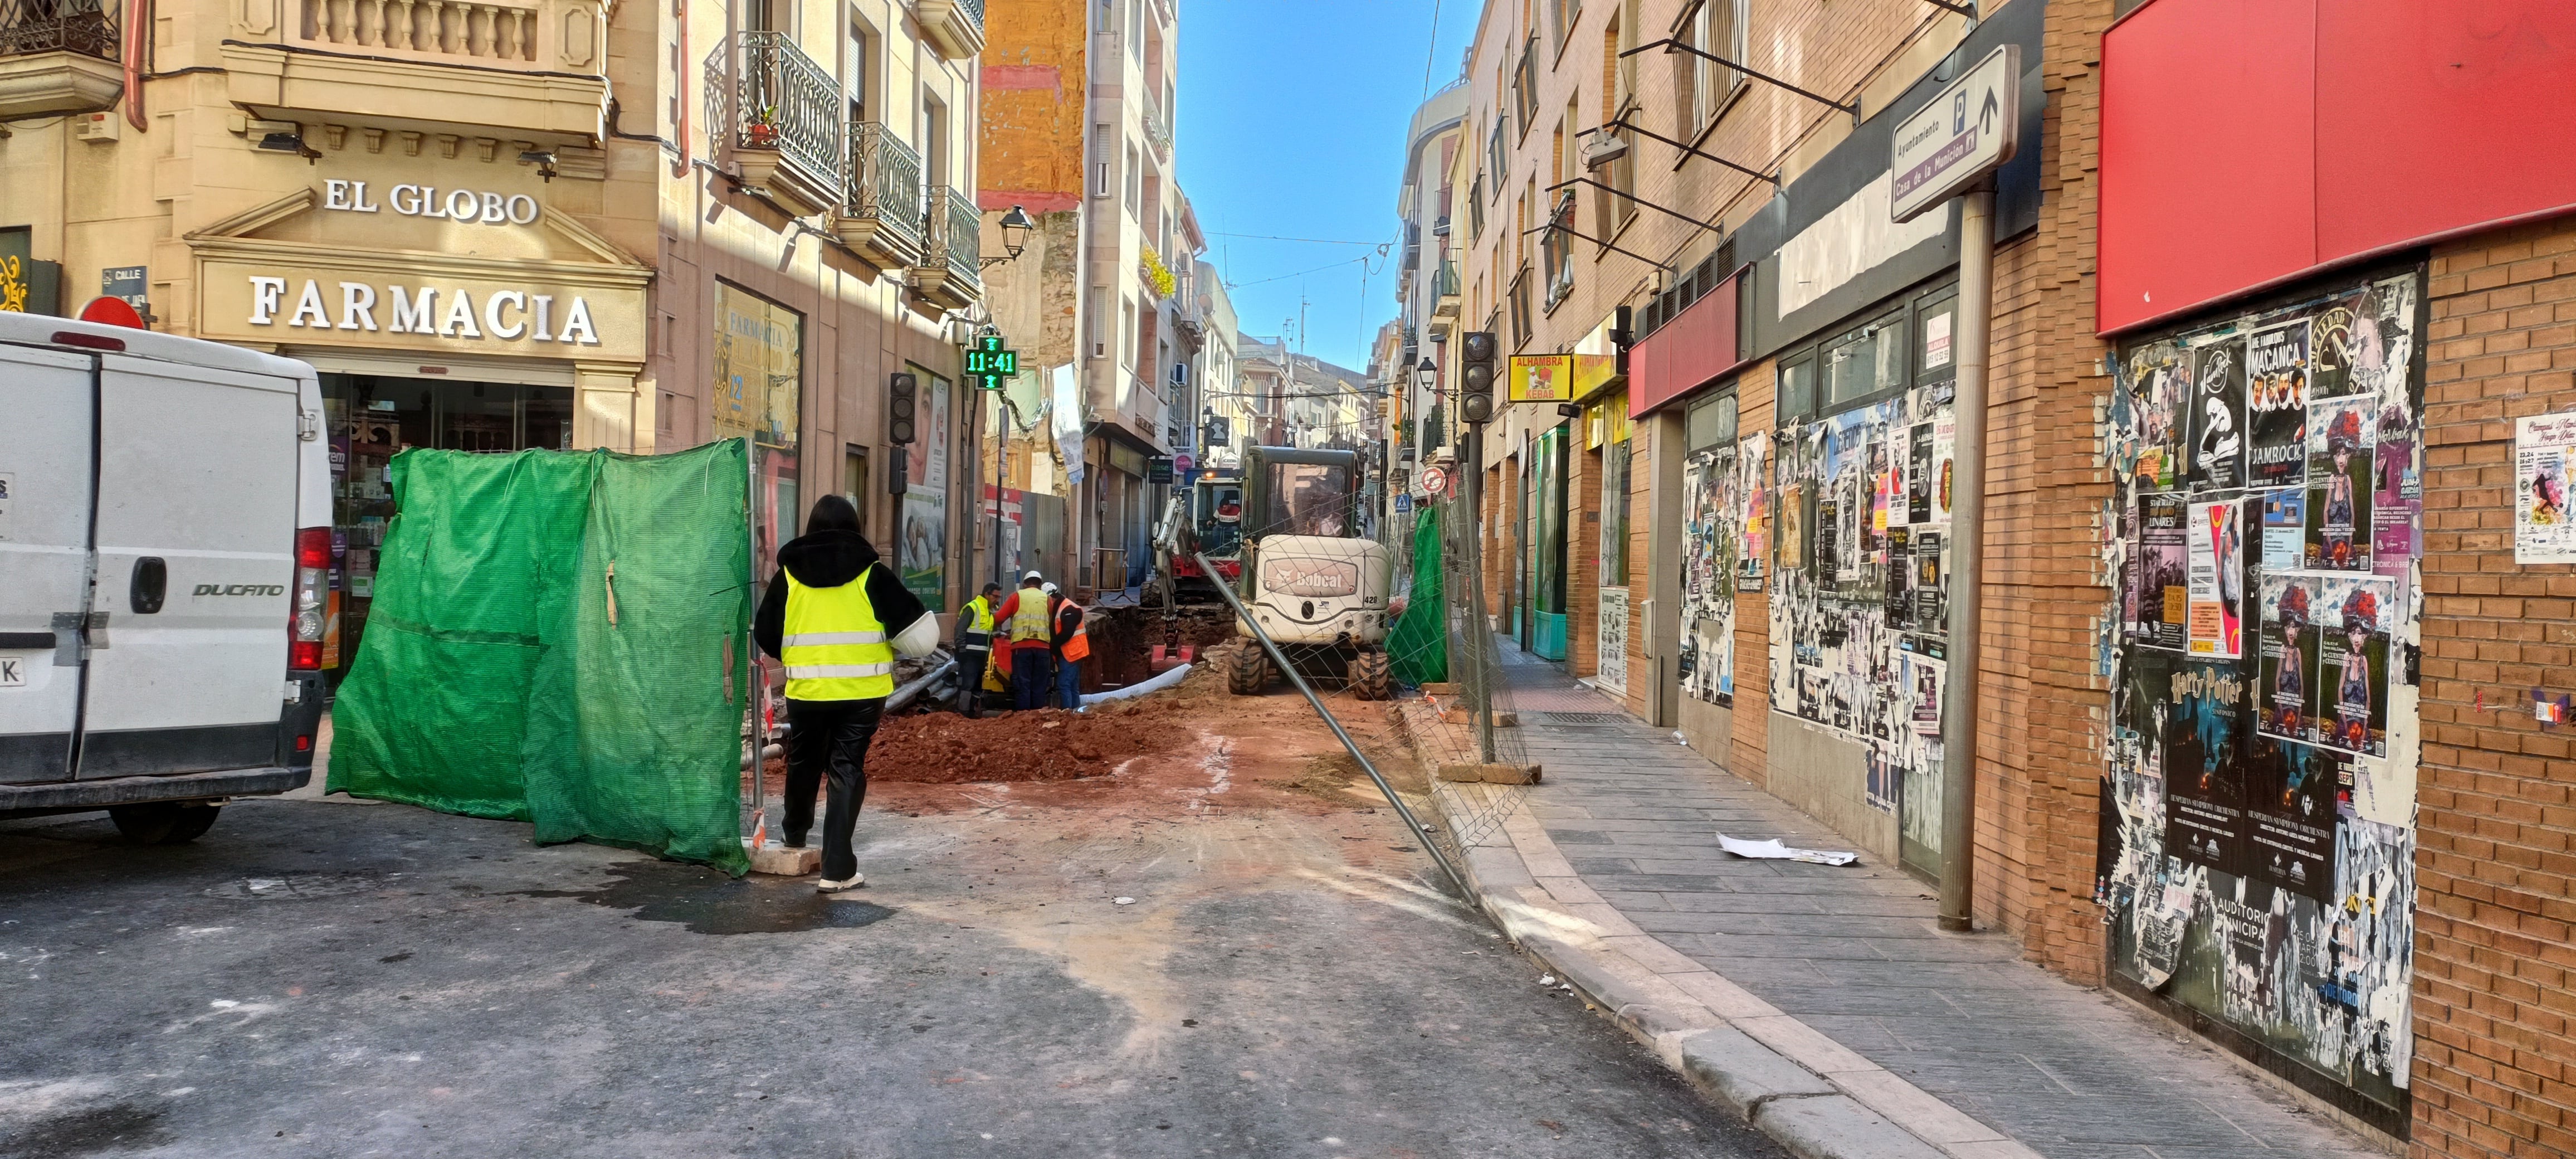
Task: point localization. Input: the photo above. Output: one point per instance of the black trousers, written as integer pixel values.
(828, 743)
(970, 680)
(1032, 677)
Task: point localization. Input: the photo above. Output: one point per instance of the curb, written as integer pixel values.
(1813, 1096)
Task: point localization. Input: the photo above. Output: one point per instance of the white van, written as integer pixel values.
(165, 561)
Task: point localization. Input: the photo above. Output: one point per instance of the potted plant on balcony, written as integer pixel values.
(762, 131)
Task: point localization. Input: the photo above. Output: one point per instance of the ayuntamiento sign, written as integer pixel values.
(1967, 130)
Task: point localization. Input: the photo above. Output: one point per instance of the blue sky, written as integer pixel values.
(1291, 124)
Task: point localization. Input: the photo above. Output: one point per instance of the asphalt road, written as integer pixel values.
(333, 978)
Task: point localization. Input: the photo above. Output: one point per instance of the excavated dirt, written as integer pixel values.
(1122, 640)
(1196, 746)
(1047, 744)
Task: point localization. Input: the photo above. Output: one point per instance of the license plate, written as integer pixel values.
(13, 671)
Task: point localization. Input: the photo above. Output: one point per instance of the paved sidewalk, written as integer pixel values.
(1610, 870)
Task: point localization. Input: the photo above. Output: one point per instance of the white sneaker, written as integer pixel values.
(827, 885)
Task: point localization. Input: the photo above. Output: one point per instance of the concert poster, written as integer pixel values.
(2354, 616)
(2218, 415)
(2162, 578)
(2205, 741)
(2290, 816)
(2342, 434)
(2276, 404)
(2285, 680)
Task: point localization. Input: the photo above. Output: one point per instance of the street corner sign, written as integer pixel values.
(1969, 128)
(1540, 378)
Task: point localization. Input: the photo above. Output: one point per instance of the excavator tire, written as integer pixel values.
(1247, 669)
(1371, 678)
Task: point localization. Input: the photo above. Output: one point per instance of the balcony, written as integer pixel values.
(1152, 273)
(954, 27)
(1158, 132)
(58, 56)
(527, 67)
(947, 274)
(882, 213)
(1444, 300)
(781, 115)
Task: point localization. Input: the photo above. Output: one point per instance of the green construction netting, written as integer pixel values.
(1418, 646)
(504, 673)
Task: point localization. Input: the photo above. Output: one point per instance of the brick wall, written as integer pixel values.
(2044, 714)
(2495, 1054)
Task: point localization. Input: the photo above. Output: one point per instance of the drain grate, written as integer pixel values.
(1581, 717)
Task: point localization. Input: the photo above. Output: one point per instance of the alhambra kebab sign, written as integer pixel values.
(1966, 131)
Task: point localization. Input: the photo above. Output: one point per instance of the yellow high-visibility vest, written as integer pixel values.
(1029, 621)
(832, 644)
(979, 619)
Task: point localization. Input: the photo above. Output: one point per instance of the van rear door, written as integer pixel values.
(45, 495)
(196, 566)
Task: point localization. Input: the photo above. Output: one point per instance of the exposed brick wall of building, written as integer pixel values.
(2495, 967)
(2045, 707)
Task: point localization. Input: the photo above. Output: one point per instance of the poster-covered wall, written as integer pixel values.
(1712, 532)
(1858, 622)
(759, 376)
(923, 553)
(2258, 827)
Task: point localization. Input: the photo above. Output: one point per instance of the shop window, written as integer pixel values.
(1866, 361)
(1936, 316)
(854, 481)
(1796, 399)
(1711, 422)
(372, 418)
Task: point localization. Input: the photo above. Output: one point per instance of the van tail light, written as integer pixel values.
(304, 628)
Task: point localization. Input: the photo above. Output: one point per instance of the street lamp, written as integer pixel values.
(1016, 225)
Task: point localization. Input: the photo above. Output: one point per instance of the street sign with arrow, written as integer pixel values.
(1966, 131)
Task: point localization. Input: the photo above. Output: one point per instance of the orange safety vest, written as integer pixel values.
(1079, 645)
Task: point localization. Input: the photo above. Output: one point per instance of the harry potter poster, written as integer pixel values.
(2205, 765)
(2290, 816)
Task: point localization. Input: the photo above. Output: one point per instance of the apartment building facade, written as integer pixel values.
(2313, 810)
(555, 224)
(1083, 97)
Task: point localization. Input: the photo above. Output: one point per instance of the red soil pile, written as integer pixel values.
(1041, 745)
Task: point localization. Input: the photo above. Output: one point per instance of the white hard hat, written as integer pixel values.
(1047, 588)
(1032, 575)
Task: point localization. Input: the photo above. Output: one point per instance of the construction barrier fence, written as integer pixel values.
(561, 638)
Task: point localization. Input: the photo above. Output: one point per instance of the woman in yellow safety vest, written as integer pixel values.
(836, 617)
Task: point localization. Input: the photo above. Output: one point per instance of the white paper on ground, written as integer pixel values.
(1774, 851)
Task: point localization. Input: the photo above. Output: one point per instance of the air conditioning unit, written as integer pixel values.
(1180, 374)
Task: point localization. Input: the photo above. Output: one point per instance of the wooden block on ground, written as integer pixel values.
(1493, 774)
(784, 862)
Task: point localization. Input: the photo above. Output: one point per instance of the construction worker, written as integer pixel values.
(974, 647)
(836, 619)
(1028, 647)
(1071, 645)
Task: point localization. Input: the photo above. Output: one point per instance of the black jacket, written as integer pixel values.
(829, 559)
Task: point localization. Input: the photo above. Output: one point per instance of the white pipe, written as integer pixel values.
(765, 753)
(1156, 684)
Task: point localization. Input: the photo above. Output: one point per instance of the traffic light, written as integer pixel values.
(1476, 377)
(899, 403)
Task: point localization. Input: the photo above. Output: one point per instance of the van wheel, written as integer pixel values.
(163, 822)
(1247, 670)
(1371, 678)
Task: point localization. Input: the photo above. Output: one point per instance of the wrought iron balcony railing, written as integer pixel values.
(956, 239)
(1158, 131)
(885, 185)
(766, 96)
(88, 27)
